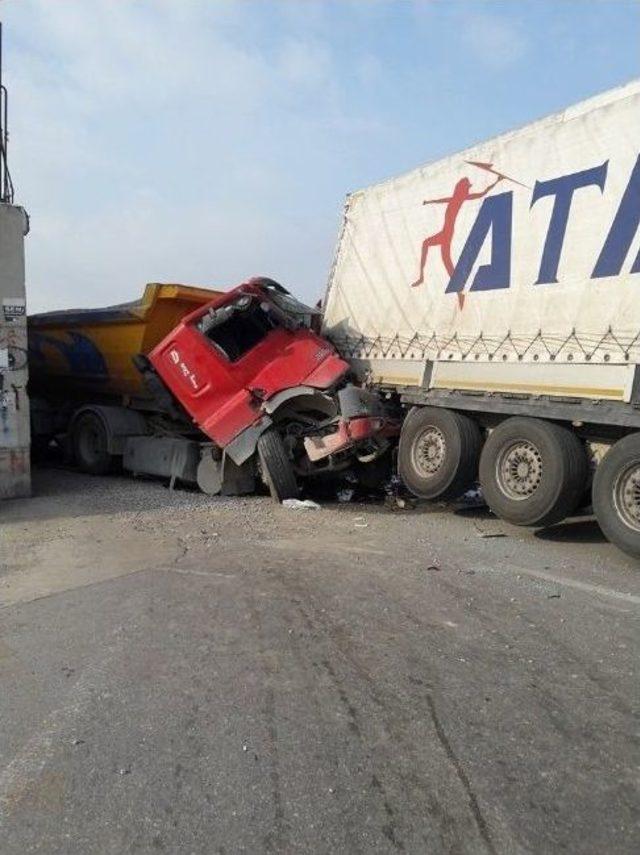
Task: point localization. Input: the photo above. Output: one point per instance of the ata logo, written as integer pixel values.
(495, 216)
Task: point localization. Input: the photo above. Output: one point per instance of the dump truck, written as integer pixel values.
(494, 294)
(209, 388)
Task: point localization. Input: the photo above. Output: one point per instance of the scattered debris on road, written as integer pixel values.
(485, 534)
(345, 495)
(301, 504)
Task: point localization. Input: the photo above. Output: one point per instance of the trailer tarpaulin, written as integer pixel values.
(525, 247)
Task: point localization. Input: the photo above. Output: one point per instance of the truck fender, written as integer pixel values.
(119, 423)
(244, 445)
(310, 397)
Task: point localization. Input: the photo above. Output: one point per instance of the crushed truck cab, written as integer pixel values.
(225, 361)
(247, 364)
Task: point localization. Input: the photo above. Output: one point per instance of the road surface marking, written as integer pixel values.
(587, 587)
(184, 571)
(28, 764)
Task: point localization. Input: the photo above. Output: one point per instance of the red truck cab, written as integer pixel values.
(227, 358)
(252, 375)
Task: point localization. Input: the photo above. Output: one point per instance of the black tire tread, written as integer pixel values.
(277, 469)
(463, 432)
(101, 466)
(571, 456)
(625, 451)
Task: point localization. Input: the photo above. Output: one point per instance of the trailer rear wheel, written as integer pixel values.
(438, 453)
(616, 494)
(91, 444)
(532, 472)
(276, 468)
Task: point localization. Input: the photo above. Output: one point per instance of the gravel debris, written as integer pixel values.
(117, 493)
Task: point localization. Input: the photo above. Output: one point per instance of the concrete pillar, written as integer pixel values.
(15, 471)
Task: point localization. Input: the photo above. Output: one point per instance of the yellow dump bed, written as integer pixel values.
(88, 352)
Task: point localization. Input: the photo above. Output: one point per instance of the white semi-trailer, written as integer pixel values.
(497, 293)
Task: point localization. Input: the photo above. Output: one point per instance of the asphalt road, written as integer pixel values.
(189, 675)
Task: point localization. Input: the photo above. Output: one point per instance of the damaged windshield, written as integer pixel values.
(237, 328)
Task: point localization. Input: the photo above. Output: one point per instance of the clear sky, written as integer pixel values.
(206, 141)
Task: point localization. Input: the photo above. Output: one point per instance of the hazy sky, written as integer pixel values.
(206, 141)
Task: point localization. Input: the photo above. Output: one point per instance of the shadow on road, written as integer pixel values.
(79, 495)
(582, 530)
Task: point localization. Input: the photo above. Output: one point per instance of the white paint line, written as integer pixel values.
(29, 762)
(587, 587)
(183, 571)
(305, 547)
(30, 591)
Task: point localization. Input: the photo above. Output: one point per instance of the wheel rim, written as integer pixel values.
(92, 443)
(626, 496)
(429, 451)
(519, 470)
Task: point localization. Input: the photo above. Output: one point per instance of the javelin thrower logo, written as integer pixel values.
(443, 239)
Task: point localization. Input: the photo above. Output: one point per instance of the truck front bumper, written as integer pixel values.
(351, 433)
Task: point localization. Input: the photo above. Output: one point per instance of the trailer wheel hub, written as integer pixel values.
(626, 496)
(519, 470)
(429, 451)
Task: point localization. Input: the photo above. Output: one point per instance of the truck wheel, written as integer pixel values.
(276, 469)
(616, 494)
(91, 445)
(438, 453)
(532, 472)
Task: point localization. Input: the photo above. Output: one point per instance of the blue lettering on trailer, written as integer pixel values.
(495, 218)
(623, 230)
(562, 189)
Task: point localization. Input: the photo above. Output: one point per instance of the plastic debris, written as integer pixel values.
(359, 522)
(473, 498)
(345, 495)
(401, 503)
(393, 486)
(483, 533)
(301, 504)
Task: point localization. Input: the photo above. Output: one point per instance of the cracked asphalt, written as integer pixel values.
(196, 675)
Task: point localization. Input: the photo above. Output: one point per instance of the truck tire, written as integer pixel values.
(276, 468)
(90, 444)
(438, 453)
(532, 472)
(616, 494)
